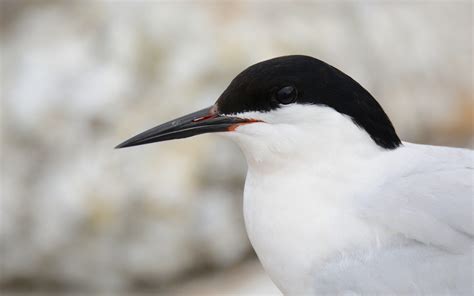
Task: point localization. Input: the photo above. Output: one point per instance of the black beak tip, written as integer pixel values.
(199, 122)
(125, 144)
(122, 145)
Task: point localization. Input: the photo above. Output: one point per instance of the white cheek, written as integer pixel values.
(252, 133)
(288, 114)
(255, 129)
(299, 131)
(278, 129)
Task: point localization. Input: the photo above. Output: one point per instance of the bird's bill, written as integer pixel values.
(203, 121)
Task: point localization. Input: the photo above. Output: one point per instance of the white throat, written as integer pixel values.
(301, 134)
(303, 161)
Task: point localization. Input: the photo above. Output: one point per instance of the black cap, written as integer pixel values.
(307, 81)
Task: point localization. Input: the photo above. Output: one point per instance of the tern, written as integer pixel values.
(334, 201)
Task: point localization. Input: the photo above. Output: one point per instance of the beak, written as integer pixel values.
(203, 121)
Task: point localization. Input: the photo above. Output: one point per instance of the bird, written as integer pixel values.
(334, 202)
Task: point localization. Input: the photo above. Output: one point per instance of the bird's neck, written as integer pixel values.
(325, 148)
(293, 196)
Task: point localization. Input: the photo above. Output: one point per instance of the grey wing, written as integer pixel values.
(432, 206)
(434, 212)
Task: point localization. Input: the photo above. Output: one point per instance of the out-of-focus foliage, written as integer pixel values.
(78, 77)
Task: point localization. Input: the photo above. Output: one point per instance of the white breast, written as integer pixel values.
(314, 236)
(315, 210)
(296, 201)
(297, 225)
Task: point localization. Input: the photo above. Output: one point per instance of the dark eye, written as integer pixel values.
(287, 95)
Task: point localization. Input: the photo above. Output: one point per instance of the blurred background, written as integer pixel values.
(79, 77)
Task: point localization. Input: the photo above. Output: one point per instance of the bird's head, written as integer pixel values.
(284, 104)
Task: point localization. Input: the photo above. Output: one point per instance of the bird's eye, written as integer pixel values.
(287, 95)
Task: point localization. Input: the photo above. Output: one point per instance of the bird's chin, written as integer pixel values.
(247, 131)
(261, 144)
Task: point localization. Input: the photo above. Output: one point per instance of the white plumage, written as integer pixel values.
(330, 212)
(334, 203)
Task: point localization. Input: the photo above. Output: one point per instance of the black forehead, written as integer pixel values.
(253, 88)
(317, 83)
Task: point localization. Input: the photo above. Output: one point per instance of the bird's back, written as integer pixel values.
(429, 198)
(428, 203)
